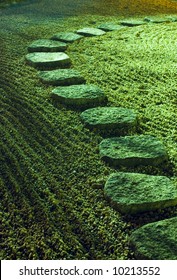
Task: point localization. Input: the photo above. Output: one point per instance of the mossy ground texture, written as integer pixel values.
(53, 205)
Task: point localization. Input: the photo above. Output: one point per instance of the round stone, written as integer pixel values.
(61, 77)
(132, 151)
(48, 59)
(156, 241)
(79, 95)
(45, 45)
(132, 193)
(116, 120)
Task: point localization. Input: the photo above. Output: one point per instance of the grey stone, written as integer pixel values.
(67, 37)
(115, 120)
(90, 31)
(48, 59)
(157, 19)
(156, 241)
(132, 22)
(108, 26)
(79, 95)
(45, 45)
(132, 151)
(132, 193)
(61, 77)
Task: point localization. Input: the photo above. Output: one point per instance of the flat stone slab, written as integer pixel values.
(45, 45)
(48, 59)
(132, 193)
(156, 241)
(108, 26)
(132, 151)
(117, 120)
(172, 18)
(67, 37)
(156, 19)
(132, 22)
(79, 95)
(61, 77)
(90, 31)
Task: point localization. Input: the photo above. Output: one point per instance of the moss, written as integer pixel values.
(51, 208)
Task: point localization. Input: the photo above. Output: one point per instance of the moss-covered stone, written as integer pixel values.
(133, 193)
(90, 31)
(61, 77)
(156, 241)
(132, 22)
(48, 59)
(109, 26)
(79, 95)
(133, 151)
(45, 45)
(67, 37)
(117, 120)
(157, 19)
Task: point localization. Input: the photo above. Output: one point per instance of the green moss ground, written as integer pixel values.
(53, 206)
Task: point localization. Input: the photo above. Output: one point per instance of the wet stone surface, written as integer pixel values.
(45, 45)
(115, 120)
(61, 77)
(133, 151)
(48, 59)
(156, 241)
(79, 95)
(132, 193)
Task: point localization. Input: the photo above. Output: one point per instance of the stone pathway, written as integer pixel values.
(67, 37)
(110, 120)
(132, 23)
(131, 151)
(133, 193)
(48, 59)
(61, 77)
(128, 192)
(110, 26)
(87, 31)
(83, 95)
(46, 45)
(156, 241)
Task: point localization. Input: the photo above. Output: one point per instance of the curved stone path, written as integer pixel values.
(128, 192)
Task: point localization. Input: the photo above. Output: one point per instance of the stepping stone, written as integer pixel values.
(132, 193)
(132, 151)
(79, 95)
(67, 37)
(132, 22)
(154, 19)
(172, 18)
(61, 77)
(115, 120)
(48, 59)
(156, 241)
(44, 45)
(109, 26)
(89, 31)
